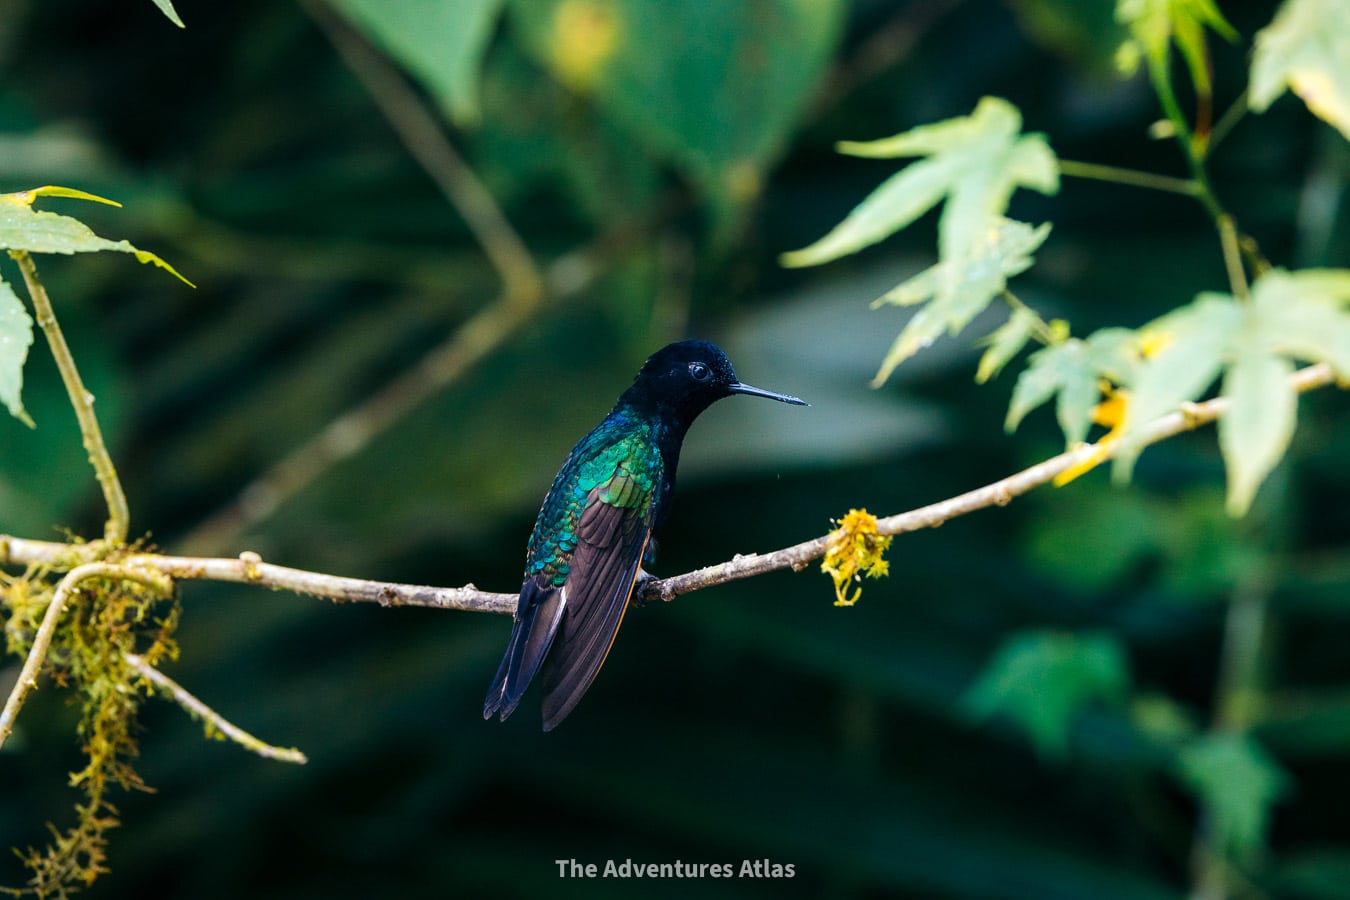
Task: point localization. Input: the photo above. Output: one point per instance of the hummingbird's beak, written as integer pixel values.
(752, 391)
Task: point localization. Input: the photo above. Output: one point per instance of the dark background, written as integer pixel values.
(750, 721)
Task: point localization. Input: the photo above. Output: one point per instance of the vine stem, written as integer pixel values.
(119, 516)
(37, 654)
(250, 569)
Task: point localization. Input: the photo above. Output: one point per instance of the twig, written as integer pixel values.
(352, 431)
(524, 289)
(425, 140)
(250, 569)
(37, 653)
(999, 493)
(119, 517)
(213, 720)
(885, 47)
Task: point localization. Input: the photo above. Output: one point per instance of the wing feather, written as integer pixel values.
(582, 564)
(603, 571)
(538, 615)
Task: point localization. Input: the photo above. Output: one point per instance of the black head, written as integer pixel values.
(686, 378)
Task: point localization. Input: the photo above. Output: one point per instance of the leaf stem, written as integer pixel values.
(119, 516)
(1132, 177)
(1229, 120)
(1042, 330)
(1232, 257)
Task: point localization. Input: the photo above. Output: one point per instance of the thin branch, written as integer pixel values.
(37, 654)
(425, 139)
(999, 493)
(353, 430)
(119, 517)
(214, 721)
(250, 569)
(524, 290)
(884, 48)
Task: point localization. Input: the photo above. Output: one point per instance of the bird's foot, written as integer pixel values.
(640, 597)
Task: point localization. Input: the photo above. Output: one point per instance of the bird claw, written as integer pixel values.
(640, 597)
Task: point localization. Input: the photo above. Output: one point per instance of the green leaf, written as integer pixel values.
(1074, 370)
(1156, 24)
(959, 291)
(1238, 782)
(166, 7)
(1063, 369)
(976, 162)
(1005, 342)
(27, 197)
(1192, 343)
(1304, 315)
(441, 44)
(1298, 315)
(715, 88)
(1306, 48)
(24, 228)
(1256, 431)
(1291, 316)
(16, 336)
(1042, 680)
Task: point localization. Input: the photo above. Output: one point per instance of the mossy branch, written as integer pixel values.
(151, 577)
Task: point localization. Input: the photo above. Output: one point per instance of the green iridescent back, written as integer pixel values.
(621, 459)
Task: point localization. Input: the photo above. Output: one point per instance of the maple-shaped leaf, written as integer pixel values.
(1074, 370)
(1043, 680)
(1305, 315)
(1290, 316)
(1238, 782)
(974, 162)
(1005, 342)
(956, 291)
(1187, 349)
(1306, 48)
(1157, 24)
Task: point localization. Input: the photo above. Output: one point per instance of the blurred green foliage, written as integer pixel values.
(686, 146)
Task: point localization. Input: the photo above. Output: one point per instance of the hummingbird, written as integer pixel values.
(594, 530)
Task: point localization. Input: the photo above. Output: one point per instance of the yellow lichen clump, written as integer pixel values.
(855, 549)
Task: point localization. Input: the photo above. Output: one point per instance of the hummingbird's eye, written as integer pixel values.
(699, 372)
